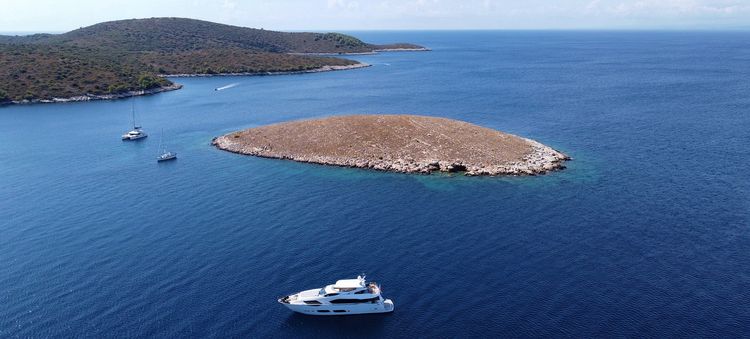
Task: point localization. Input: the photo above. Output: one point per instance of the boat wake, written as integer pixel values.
(226, 87)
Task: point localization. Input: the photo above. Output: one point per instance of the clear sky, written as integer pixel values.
(59, 15)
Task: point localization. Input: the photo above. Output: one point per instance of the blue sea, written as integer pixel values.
(645, 234)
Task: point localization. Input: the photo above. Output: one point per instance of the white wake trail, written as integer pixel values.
(226, 87)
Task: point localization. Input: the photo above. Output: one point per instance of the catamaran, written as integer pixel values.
(137, 132)
(347, 296)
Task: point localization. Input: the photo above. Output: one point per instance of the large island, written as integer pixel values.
(133, 57)
(397, 143)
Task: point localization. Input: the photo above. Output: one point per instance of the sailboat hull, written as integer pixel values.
(172, 156)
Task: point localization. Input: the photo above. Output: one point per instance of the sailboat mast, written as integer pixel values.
(132, 112)
(161, 136)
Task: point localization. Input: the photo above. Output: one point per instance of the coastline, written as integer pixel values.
(420, 49)
(541, 160)
(92, 97)
(326, 68)
(374, 51)
(175, 86)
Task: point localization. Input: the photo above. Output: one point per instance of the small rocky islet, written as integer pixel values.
(397, 143)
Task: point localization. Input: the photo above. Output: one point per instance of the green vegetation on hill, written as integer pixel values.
(42, 72)
(178, 35)
(218, 61)
(131, 55)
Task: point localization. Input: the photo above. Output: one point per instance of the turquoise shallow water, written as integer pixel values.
(645, 234)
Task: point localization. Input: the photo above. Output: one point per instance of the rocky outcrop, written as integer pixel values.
(397, 143)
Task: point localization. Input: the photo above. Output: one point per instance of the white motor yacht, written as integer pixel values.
(347, 296)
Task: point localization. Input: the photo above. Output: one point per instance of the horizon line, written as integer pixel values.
(580, 29)
(696, 27)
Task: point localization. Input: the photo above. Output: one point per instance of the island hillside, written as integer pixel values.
(398, 143)
(130, 57)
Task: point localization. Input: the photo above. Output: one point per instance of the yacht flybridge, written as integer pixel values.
(347, 296)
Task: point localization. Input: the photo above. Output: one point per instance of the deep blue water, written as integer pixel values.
(647, 233)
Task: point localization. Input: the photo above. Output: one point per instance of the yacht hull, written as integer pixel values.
(344, 309)
(162, 159)
(128, 138)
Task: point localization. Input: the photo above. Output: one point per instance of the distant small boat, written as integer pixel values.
(164, 154)
(226, 87)
(136, 133)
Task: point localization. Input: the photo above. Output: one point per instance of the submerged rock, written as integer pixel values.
(397, 143)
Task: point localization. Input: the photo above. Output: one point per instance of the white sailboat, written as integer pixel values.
(164, 155)
(137, 133)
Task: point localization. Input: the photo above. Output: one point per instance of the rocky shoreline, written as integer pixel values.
(432, 149)
(91, 97)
